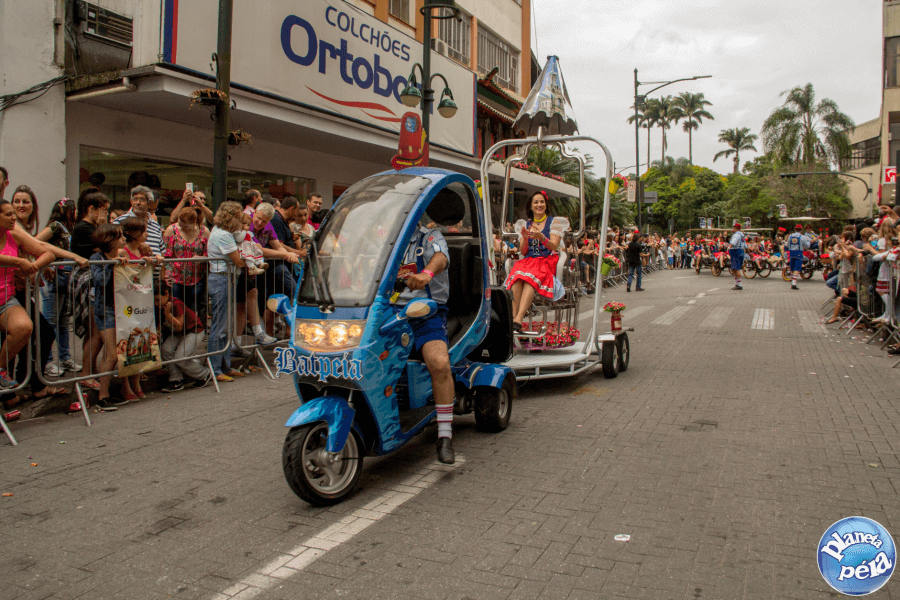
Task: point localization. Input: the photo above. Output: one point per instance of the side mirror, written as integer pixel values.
(279, 304)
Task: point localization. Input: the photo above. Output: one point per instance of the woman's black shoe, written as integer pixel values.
(517, 326)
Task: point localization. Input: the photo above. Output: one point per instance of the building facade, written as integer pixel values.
(875, 144)
(115, 93)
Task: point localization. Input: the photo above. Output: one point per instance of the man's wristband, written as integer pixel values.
(427, 272)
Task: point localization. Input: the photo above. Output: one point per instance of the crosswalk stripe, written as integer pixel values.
(763, 318)
(630, 313)
(810, 321)
(673, 315)
(717, 317)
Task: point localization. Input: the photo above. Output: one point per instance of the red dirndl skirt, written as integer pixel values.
(536, 271)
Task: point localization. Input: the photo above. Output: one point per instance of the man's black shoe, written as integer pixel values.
(794, 287)
(737, 287)
(639, 289)
(627, 289)
(445, 451)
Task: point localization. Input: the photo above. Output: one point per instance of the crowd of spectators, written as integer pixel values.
(191, 257)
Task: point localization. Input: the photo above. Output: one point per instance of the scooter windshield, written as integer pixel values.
(356, 239)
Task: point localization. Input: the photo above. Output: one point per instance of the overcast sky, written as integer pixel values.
(754, 51)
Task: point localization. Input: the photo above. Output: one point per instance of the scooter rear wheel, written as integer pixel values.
(493, 406)
(716, 269)
(313, 473)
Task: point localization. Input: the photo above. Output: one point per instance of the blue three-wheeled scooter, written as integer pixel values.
(362, 389)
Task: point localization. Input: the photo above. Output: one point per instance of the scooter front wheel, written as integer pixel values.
(320, 477)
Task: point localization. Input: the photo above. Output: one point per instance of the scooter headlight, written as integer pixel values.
(328, 336)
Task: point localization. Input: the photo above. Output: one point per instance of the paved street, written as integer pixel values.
(741, 431)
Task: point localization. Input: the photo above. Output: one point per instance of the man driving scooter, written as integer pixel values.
(428, 251)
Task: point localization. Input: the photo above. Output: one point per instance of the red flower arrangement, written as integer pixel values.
(613, 307)
(612, 261)
(557, 336)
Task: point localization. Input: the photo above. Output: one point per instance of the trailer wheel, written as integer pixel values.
(609, 360)
(624, 352)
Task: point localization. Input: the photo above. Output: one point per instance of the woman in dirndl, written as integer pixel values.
(539, 239)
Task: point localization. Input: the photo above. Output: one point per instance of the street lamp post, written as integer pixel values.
(411, 96)
(638, 103)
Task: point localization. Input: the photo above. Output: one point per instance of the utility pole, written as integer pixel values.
(223, 107)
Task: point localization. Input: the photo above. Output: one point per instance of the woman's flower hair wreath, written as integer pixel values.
(544, 194)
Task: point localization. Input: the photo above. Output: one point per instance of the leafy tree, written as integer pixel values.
(648, 118)
(667, 114)
(677, 170)
(819, 196)
(738, 140)
(692, 108)
(801, 131)
(549, 160)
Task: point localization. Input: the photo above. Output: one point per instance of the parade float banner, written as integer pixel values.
(325, 54)
(137, 344)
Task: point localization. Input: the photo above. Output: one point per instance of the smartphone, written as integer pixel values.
(189, 187)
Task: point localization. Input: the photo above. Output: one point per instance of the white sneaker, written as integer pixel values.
(71, 365)
(53, 370)
(265, 339)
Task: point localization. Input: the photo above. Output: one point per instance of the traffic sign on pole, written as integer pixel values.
(890, 175)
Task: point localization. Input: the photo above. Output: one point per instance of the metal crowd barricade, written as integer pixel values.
(12, 363)
(280, 277)
(79, 296)
(866, 298)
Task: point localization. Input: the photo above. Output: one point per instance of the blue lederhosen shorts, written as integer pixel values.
(737, 259)
(430, 329)
(796, 261)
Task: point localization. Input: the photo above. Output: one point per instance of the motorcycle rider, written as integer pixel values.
(431, 280)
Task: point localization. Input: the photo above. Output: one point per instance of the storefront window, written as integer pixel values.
(116, 173)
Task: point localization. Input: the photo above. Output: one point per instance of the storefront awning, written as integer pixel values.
(163, 93)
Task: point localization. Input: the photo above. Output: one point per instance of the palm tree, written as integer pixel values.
(648, 118)
(692, 108)
(802, 131)
(737, 139)
(667, 114)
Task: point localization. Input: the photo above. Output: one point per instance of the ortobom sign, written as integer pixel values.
(326, 54)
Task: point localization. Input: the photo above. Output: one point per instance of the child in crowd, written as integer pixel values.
(182, 334)
(136, 248)
(251, 251)
(110, 241)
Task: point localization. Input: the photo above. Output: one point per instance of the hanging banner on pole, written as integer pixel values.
(702, 223)
(747, 223)
(137, 344)
(782, 211)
